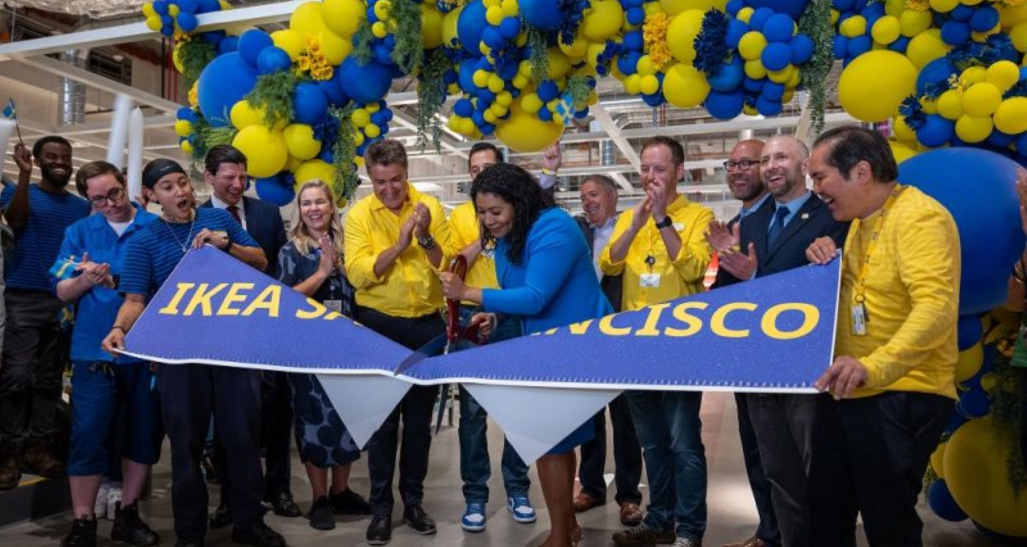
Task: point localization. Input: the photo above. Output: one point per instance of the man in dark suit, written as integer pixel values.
(743, 179)
(599, 201)
(225, 172)
(776, 239)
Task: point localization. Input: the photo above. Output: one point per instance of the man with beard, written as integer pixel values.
(599, 201)
(743, 179)
(30, 378)
(776, 239)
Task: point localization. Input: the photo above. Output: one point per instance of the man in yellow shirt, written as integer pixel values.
(395, 242)
(890, 390)
(660, 249)
(474, 450)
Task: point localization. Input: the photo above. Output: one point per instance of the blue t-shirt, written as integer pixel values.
(37, 244)
(157, 249)
(98, 307)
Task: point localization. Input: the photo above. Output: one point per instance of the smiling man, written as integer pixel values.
(30, 378)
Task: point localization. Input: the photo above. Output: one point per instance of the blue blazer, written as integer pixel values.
(555, 284)
(264, 223)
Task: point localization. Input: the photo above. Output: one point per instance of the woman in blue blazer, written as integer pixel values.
(545, 272)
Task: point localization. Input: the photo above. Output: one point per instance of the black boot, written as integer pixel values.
(39, 459)
(82, 534)
(10, 465)
(131, 529)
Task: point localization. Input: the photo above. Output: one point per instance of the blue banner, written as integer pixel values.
(770, 334)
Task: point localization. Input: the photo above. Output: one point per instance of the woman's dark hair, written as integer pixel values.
(518, 188)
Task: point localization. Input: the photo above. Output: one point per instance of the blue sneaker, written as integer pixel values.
(521, 509)
(474, 518)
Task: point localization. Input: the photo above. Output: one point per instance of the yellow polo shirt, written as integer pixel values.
(912, 297)
(410, 287)
(465, 229)
(679, 277)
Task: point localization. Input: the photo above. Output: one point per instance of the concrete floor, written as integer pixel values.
(732, 515)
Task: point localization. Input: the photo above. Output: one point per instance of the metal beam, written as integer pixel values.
(60, 68)
(604, 120)
(404, 119)
(151, 122)
(99, 143)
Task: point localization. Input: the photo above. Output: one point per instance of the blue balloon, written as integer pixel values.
(228, 44)
(955, 33)
(628, 63)
(860, 45)
(969, 331)
(224, 82)
(207, 6)
(332, 90)
(214, 36)
(729, 76)
(934, 72)
(185, 113)
(841, 46)
(793, 8)
(962, 12)
(273, 59)
(778, 28)
(725, 106)
(776, 56)
(984, 18)
(767, 107)
(463, 108)
(188, 5)
(974, 403)
(510, 27)
(273, 190)
(160, 7)
(543, 114)
(942, 502)
(382, 53)
(251, 43)
(873, 11)
(364, 83)
(936, 131)
(999, 139)
(633, 40)
(802, 49)
(977, 187)
(309, 104)
(167, 27)
(493, 38)
(735, 30)
(548, 91)
(472, 23)
(760, 17)
(733, 6)
(1021, 145)
(654, 100)
(773, 91)
(899, 44)
(186, 21)
(635, 16)
(541, 14)
(753, 86)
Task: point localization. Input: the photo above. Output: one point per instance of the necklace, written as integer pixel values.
(188, 238)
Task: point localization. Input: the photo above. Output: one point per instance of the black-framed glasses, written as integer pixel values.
(113, 196)
(744, 165)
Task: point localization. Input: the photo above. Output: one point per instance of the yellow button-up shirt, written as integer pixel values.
(679, 277)
(410, 287)
(912, 297)
(466, 229)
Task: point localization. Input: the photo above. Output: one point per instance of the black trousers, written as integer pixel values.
(189, 394)
(275, 437)
(870, 458)
(627, 456)
(761, 490)
(30, 376)
(415, 409)
(783, 424)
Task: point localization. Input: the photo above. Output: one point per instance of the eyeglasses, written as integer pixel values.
(113, 196)
(744, 165)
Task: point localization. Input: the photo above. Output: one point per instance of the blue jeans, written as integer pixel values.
(670, 432)
(475, 468)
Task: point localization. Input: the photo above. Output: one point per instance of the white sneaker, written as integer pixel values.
(113, 499)
(100, 505)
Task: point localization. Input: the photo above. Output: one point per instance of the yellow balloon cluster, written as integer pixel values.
(978, 106)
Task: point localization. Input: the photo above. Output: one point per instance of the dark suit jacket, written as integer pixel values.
(612, 285)
(789, 251)
(264, 223)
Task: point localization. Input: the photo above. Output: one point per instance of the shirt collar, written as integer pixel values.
(218, 204)
(746, 211)
(796, 204)
(679, 203)
(610, 222)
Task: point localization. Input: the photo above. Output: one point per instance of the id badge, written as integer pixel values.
(859, 320)
(649, 280)
(334, 305)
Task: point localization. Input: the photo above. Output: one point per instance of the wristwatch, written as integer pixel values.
(227, 236)
(427, 243)
(667, 222)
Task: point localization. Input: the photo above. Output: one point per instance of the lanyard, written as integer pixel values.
(860, 289)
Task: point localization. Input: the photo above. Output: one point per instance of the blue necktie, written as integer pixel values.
(777, 225)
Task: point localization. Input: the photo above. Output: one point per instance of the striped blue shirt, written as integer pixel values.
(37, 244)
(157, 249)
(98, 307)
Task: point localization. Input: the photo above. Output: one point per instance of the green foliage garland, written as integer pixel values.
(579, 89)
(409, 51)
(538, 49)
(816, 22)
(343, 153)
(1006, 414)
(194, 55)
(273, 93)
(431, 95)
(362, 42)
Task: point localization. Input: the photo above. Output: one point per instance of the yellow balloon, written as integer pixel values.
(674, 7)
(292, 164)
(901, 151)
(360, 117)
(176, 57)
(335, 48)
(649, 84)
(494, 15)
(684, 86)
(264, 149)
(1011, 116)
(944, 6)
(1010, 16)
(314, 170)
(914, 22)
(926, 47)
(243, 115)
(781, 76)
(903, 131)
(299, 139)
(449, 21)
(645, 66)
(174, 10)
(969, 362)
(510, 8)
(938, 460)
(981, 99)
(372, 131)
(148, 10)
(681, 34)
(558, 64)
(886, 30)
(853, 26)
(602, 20)
(751, 45)
(950, 105)
(524, 132)
(343, 17)
(290, 41)
(874, 84)
(431, 26)
(755, 70)
(973, 129)
(972, 75)
(183, 128)
(307, 19)
(633, 84)
(154, 23)
(1003, 74)
(1018, 35)
(978, 478)
(745, 14)
(576, 49)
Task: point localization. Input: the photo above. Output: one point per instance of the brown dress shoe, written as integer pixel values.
(583, 502)
(39, 459)
(751, 542)
(630, 514)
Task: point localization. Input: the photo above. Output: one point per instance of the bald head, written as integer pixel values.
(743, 171)
(783, 167)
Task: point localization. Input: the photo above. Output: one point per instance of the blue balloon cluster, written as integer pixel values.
(167, 16)
(957, 26)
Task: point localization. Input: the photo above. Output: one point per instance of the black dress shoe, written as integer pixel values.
(221, 517)
(320, 515)
(258, 535)
(418, 520)
(131, 529)
(349, 502)
(379, 532)
(283, 506)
